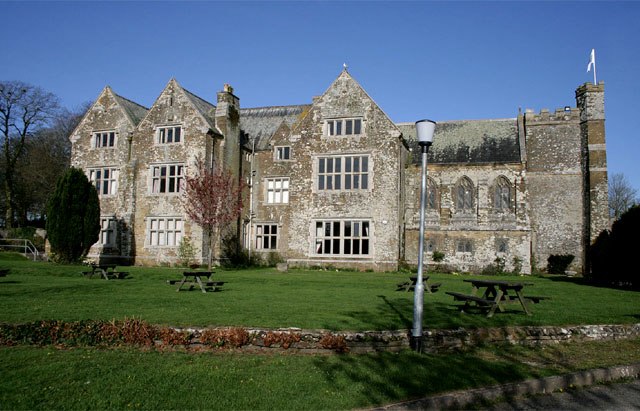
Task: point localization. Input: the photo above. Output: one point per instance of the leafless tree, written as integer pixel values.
(212, 199)
(24, 109)
(622, 195)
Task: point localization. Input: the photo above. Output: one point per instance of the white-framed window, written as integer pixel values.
(342, 237)
(105, 179)
(108, 231)
(169, 134)
(167, 178)
(344, 127)
(266, 236)
(343, 173)
(277, 190)
(282, 153)
(104, 139)
(164, 231)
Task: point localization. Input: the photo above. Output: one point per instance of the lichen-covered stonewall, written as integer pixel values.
(336, 182)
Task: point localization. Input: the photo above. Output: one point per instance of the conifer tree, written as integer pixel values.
(73, 216)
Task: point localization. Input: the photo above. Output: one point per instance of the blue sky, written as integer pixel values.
(419, 59)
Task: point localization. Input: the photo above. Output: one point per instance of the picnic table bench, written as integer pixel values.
(200, 278)
(411, 285)
(495, 296)
(106, 271)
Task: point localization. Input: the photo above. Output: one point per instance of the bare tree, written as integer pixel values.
(622, 195)
(46, 157)
(212, 199)
(23, 110)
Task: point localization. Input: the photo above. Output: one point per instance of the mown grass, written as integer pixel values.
(48, 378)
(299, 298)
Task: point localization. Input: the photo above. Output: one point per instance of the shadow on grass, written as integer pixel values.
(390, 377)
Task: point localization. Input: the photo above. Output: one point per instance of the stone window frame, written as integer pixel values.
(282, 153)
(502, 246)
(328, 172)
(343, 127)
(275, 193)
(464, 194)
(168, 131)
(342, 237)
(105, 186)
(164, 231)
(108, 231)
(502, 195)
(266, 236)
(173, 183)
(433, 196)
(464, 246)
(104, 139)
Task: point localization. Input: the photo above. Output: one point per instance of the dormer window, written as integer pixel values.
(283, 153)
(104, 139)
(169, 134)
(344, 127)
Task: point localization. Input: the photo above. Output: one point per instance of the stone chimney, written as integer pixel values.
(228, 122)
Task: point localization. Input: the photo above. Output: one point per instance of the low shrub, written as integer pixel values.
(281, 339)
(334, 342)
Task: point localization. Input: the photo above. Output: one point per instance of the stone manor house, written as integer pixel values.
(337, 183)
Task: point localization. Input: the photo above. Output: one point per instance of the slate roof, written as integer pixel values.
(205, 108)
(135, 111)
(262, 122)
(469, 141)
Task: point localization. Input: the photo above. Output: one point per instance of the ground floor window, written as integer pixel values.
(266, 236)
(164, 231)
(342, 237)
(107, 231)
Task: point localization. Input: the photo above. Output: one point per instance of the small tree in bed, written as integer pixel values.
(212, 199)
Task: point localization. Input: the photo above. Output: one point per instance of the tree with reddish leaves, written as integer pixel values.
(212, 199)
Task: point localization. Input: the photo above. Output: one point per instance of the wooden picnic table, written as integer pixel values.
(106, 271)
(411, 285)
(495, 295)
(201, 278)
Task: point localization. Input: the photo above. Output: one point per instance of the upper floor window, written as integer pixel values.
(283, 153)
(164, 231)
(432, 194)
(105, 179)
(343, 173)
(167, 178)
(464, 195)
(344, 127)
(104, 139)
(342, 237)
(169, 134)
(502, 194)
(107, 231)
(266, 236)
(278, 190)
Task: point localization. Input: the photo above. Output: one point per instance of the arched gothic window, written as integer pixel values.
(464, 195)
(432, 195)
(502, 194)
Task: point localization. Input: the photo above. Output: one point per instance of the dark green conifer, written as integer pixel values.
(73, 216)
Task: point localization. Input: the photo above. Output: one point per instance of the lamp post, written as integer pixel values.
(424, 130)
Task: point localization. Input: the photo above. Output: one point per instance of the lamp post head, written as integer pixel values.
(424, 131)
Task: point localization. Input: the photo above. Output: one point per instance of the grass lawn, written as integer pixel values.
(299, 298)
(81, 378)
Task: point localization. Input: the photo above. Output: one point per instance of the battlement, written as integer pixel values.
(559, 115)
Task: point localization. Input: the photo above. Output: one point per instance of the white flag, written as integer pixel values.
(592, 61)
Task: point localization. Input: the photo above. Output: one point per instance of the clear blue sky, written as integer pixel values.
(438, 60)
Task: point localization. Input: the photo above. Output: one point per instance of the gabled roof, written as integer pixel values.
(205, 108)
(261, 122)
(133, 110)
(469, 141)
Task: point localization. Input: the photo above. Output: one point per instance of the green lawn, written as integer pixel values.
(127, 378)
(299, 298)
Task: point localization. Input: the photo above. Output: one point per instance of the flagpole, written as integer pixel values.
(594, 67)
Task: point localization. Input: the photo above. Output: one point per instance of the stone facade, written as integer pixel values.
(336, 182)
